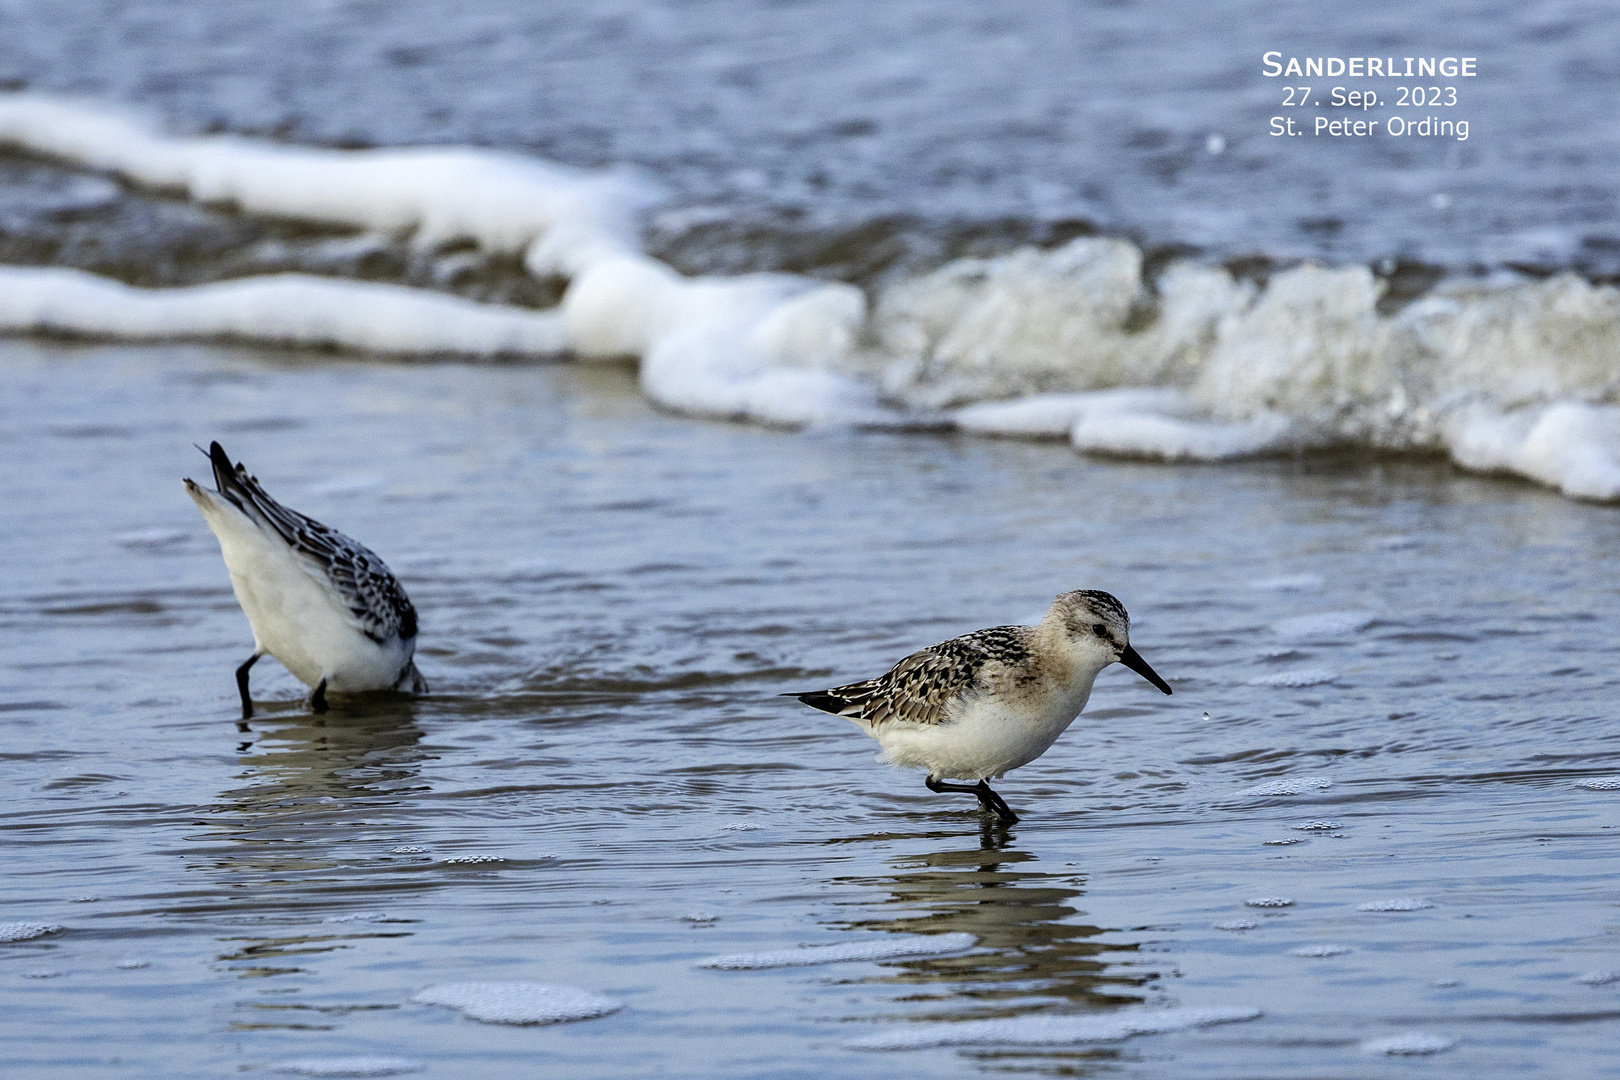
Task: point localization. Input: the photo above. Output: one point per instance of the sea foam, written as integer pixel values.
(1083, 342)
(1286, 785)
(518, 1002)
(287, 309)
(1052, 1030)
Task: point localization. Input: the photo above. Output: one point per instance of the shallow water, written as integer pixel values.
(611, 600)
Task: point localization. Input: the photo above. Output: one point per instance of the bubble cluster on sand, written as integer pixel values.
(1286, 785)
(517, 1002)
(888, 947)
(1316, 952)
(1403, 903)
(1410, 1044)
(1052, 1030)
(1297, 680)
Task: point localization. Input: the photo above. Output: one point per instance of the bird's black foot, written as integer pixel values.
(317, 700)
(988, 799)
(242, 685)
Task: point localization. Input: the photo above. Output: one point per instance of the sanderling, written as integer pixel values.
(323, 604)
(978, 705)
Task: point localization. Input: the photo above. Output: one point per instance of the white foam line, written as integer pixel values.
(291, 309)
(1052, 1030)
(1505, 379)
(885, 948)
(563, 219)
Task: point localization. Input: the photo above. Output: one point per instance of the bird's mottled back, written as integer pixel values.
(921, 688)
(374, 596)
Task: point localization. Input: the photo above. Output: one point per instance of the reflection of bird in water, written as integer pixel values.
(323, 604)
(1031, 945)
(978, 705)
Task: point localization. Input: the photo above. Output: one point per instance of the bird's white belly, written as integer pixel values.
(984, 740)
(299, 621)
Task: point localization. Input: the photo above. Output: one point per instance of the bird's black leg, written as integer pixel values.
(993, 802)
(317, 700)
(242, 684)
(988, 799)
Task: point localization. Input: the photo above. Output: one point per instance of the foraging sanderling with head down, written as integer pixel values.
(323, 604)
(978, 705)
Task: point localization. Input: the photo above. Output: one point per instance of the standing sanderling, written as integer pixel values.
(324, 605)
(978, 705)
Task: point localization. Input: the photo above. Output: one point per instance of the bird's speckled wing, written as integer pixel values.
(921, 688)
(374, 596)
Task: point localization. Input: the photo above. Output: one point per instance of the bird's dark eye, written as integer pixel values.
(1099, 629)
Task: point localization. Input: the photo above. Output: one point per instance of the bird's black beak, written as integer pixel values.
(1133, 660)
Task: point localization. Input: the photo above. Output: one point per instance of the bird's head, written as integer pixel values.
(1097, 631)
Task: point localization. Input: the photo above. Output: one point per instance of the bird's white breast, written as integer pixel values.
(987, 733)
(296, 614)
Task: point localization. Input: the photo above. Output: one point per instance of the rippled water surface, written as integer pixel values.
(613, 598)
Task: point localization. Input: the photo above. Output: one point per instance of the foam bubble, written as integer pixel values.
(1270, 901)
(1286, 785)
(23, 931)
(408, 849)
(43, 973)
(1296, 680)
(1599, 978)
(1600, 783)
(1402, 903)
(1285, 841)
(1237, 924)
(1314, 952)
(1317, 826)
(348, 1066)
(1410, 1044)
(518, 1002)
(132, 963)
(741, 826)
(700, 917)
(1052, 1030)
(888, 947)
(472, 860)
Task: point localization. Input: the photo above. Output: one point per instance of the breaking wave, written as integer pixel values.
(1087, 342)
